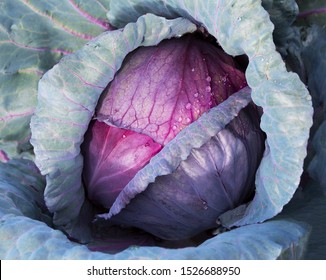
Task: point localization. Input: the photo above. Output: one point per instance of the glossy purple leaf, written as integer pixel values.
(160, 90)
(112, 156)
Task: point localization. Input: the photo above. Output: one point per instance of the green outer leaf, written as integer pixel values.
(243, 27)
(29, 239)
(21, 191)
(67, 98)
(34, 35)
(287, 38)
(25, 231)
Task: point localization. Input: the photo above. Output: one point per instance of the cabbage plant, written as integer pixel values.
(171, 130)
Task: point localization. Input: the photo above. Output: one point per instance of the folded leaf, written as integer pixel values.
(34, 35)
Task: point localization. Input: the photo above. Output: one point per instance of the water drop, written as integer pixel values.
(123, 136)
(239, 18)
(196, 94)
(180, 119)
(188, 106)
(174, 127)
(188, 120)
(208, 89)
(208, 79)
(192, 69)
(204, 204)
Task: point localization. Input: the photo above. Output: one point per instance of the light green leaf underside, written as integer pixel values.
(243, 27)
(304, 51)
(34, 35)
(25, 234)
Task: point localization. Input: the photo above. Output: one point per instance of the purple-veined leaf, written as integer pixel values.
(160, 90)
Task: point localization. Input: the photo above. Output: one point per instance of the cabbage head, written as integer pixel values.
(149, 129)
